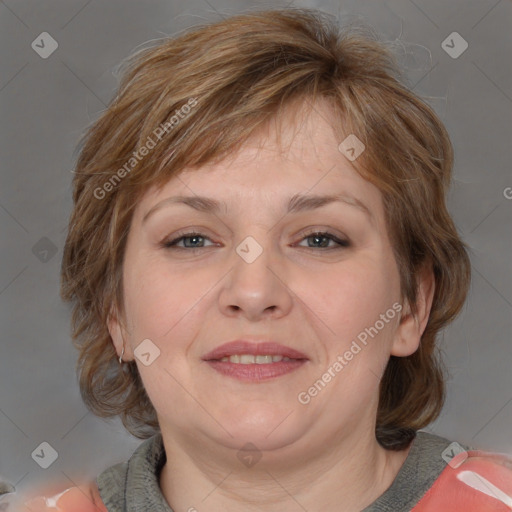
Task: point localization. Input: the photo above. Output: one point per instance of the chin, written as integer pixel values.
(268, 428)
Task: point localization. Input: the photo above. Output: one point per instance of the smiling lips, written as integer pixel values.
(254, 361)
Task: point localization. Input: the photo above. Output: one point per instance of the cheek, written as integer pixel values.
(160, 301)
(351, 296)
(357, 307)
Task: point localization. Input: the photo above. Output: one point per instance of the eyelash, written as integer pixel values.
(171, 244)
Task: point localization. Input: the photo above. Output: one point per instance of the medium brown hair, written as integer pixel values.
(239, 74)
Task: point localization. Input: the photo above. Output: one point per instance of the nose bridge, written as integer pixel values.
(253, 287)
(252, 261)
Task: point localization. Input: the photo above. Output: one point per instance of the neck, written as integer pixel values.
(348, 477)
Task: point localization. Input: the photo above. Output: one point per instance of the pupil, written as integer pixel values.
(320, 237)
(192, 238)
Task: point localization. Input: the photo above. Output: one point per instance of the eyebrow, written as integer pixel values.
(297, 203)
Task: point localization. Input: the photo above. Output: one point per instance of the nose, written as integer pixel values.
(256, 289)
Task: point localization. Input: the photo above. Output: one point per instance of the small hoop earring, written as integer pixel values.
(121, 356)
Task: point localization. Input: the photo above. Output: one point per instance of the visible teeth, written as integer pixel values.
(252, 359)
(263, 359)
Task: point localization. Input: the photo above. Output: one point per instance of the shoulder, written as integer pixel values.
(87, 496)
(83, 498)
(109, 492)
(471, 481)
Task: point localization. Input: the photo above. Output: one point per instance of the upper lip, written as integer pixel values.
(254, 348)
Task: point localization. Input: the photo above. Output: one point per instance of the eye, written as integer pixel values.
(191, 240)
(195, 240)
(323, 238)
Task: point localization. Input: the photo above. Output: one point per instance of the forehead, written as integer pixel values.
(295, 153)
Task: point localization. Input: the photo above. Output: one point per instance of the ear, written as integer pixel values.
(408, 335)
(117, 333)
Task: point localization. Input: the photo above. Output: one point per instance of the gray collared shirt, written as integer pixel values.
(133, 486)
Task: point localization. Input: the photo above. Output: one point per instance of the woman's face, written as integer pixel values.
(254, 270)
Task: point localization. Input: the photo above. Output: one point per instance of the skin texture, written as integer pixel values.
(322, 455)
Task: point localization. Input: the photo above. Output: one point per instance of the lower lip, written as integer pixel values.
(256, 372)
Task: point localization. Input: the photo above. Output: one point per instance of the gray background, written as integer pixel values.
(47, 103)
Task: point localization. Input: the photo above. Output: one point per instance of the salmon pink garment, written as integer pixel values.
(73, 499)
(475, 481)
